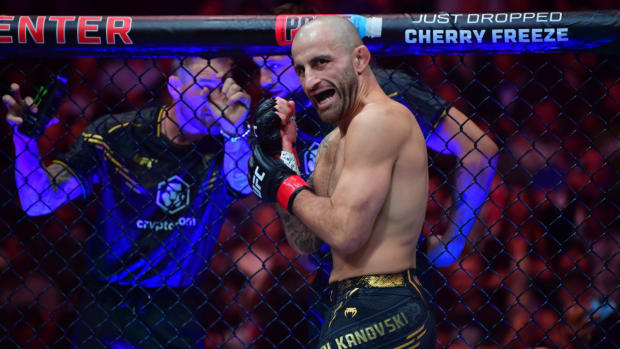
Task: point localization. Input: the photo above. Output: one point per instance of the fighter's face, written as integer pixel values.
(198, 78)
(326, 73)
(277, 75)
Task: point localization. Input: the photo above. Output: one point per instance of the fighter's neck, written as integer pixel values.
(368, 91)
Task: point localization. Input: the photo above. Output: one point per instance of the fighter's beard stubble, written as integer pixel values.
(349, 87)
(348, 90)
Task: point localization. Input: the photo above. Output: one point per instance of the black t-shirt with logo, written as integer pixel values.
(161, 206)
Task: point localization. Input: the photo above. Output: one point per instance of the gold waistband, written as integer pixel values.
(370, 281)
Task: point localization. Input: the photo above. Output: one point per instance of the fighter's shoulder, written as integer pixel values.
(385, 115)
(382, 124)
(378, 133)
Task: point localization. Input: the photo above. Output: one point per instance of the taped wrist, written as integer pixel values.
(289, 189)
(290, 160)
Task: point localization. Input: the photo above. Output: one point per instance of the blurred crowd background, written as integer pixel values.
(546, 249)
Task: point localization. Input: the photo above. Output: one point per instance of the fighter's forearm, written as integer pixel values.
(41, 190)
(301, 239)
(340, 226)
(236, 164)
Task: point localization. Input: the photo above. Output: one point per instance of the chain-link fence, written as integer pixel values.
(138, 234)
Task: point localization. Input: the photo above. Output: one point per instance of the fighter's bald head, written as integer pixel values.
(332, 64)
(330, 29)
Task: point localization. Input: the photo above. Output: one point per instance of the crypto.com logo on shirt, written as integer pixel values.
(173, 195)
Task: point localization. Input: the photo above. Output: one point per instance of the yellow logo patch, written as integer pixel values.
(350, 311)
(142, 161)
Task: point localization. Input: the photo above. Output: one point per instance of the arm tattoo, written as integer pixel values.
(310, 180)
(324, 144)
(298, 235)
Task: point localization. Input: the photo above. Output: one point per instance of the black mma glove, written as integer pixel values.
(267, 124)
(272, 180)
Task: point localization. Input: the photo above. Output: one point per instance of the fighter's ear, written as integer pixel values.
(361, 58)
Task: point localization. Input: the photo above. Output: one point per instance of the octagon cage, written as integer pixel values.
(157, 244)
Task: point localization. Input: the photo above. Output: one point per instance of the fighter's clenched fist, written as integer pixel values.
(273, 169)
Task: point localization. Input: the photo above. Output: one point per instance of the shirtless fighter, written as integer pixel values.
(366, 198)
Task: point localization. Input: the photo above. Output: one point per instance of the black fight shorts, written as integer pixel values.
(378, 311)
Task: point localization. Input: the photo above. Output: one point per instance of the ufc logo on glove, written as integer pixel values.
(258, 178)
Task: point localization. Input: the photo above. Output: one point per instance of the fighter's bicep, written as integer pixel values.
(362, 188)
(370, 151)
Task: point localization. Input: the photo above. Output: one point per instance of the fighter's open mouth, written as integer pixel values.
(322, 97)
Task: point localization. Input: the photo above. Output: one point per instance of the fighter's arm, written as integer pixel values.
(299, 237)
(302, 239)
(41, 189)
(345, 219)
(476, 153)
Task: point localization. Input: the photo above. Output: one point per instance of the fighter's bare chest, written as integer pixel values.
(329, 167)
